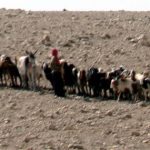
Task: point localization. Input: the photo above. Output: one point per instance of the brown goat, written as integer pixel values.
(9, 70)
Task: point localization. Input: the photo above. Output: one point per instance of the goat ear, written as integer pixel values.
(35, 52)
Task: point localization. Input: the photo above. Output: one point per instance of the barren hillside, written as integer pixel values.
(39, 120)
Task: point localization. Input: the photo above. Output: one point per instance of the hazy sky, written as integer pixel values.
(139, 5)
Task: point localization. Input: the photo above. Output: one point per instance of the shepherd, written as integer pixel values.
(57, 81)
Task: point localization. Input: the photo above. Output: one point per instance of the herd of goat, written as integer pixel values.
(119, 83)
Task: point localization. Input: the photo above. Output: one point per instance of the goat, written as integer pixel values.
(123, 84)
(47, 72)
(93, 81)
(144, 81)
(120, 86)
(27, 69)
(2, 71)
(146, 88)
(39, 74)
(9, 68)
(68, 76)
(82, 82)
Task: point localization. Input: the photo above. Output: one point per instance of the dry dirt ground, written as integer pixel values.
(39, 120)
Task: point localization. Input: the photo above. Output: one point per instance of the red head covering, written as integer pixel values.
(54, 52)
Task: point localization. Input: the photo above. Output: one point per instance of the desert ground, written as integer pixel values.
(40, 120)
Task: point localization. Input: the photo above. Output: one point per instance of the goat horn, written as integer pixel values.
(35, 52)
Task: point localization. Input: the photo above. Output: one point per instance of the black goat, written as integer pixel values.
(93, 81)
(69, 77)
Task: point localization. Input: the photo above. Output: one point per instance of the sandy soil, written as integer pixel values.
(39, 120)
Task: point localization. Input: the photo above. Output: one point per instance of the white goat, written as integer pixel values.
(27, 69)
(119, 86)
(144, 81)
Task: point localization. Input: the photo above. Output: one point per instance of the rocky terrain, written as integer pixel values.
(39, 120)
